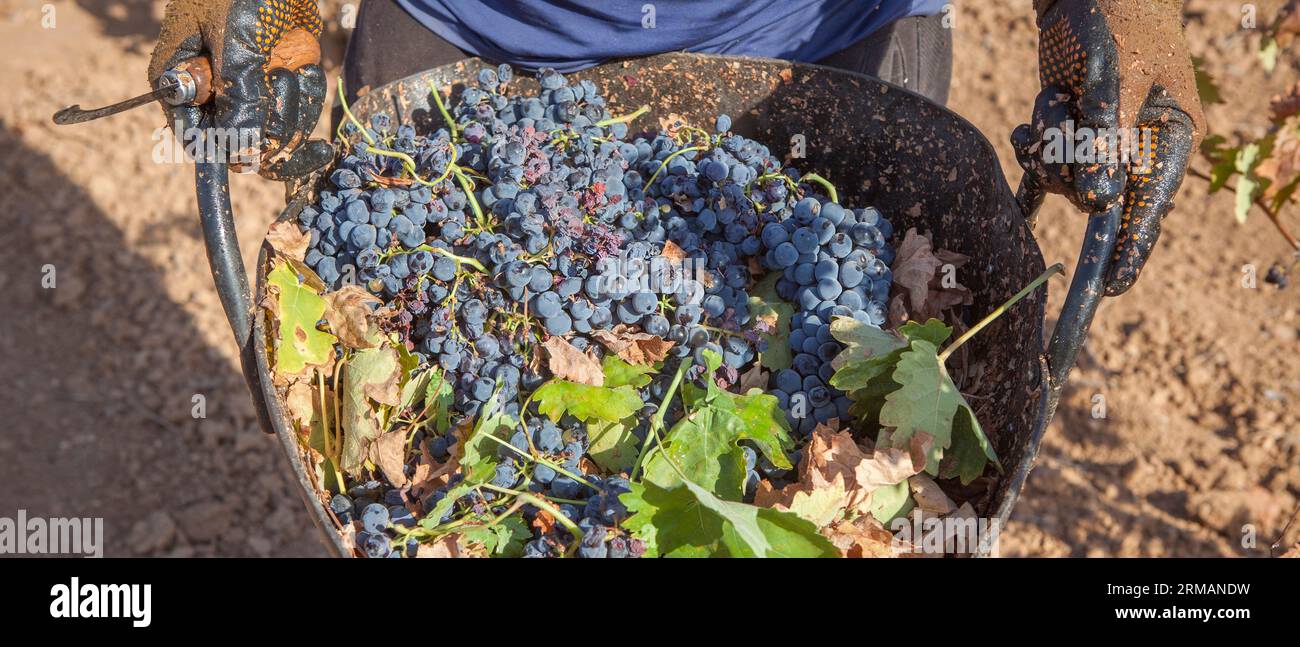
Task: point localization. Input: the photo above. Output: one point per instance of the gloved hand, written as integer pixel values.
(257, 91)
(1113, 66)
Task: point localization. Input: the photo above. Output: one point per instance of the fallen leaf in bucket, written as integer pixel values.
(297, 308)
(301, 400)
(569, 363)
(287, 239)
(446, 546)
(927, 291)
(389, 453)
(754, 378)
(672, 123)
(370, 374)
(885, 467)
(862, 537)
(928, 496)
(350, 313)
(634, 347)
(672, 252)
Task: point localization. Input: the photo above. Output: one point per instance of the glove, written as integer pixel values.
(1119, 68)
(261, 88)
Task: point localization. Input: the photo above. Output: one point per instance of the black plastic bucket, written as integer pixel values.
(920, 164)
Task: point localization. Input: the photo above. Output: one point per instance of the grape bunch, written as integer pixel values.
(834, 262)
(531, 217)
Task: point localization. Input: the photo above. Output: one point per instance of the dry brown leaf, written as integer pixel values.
(672, 123)
(446, 546)
(672, 252)
(886, 467)
(1287, 24)
(862, 537)
(928, 496)
(633, 347)
(287, 239)
(918, 448)
(1282, 106)
(754, 378)
(389, 453)
(351, 316)
(569, 363)
(348, 536)
(301, 402)
(927, 292)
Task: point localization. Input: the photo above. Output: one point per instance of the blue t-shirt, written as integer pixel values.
(570, 35)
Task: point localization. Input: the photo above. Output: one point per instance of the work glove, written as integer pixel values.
(1118, 68)
(268, 84)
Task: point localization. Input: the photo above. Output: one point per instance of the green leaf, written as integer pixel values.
(369, 374)
(505, 538)
(926, 401)
(862, 342)
(612, 444)
(415, 388)
(439, 397)
(933, 331)
(1268, 52)
(620, 373)
(585, 402)
(971, 449)
(298, 309)
(1205, 84)
(703, 446)
(1249, 186)
(765, 305)
(479, 453)
(688, 521)
(889, 502)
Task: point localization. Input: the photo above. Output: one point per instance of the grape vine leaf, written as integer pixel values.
(767, 307)
(298, 308)
(891, 502)
(351, 314)
(754, 416)
(926, 400)
(970, 449)
(586, 402)
(703, 445)
(620, 373)
(689, 521)
(504, 538)
(612, 445)
(369, 374)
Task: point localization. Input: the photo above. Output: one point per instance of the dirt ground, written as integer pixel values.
(1197, 453)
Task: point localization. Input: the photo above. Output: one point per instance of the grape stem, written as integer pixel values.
(343, 102)
(657, 420)
(664, 164)
(536, 459)
(999, 311)
(469, 193)
(625, 118)
(826, 184)
(437, 99)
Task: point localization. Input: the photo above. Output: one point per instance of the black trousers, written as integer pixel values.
(915, 53)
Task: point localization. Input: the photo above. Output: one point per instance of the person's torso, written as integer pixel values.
(570, 35)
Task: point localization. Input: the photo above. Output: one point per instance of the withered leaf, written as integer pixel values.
(633, 347)
(569, 363)
(389, 453)
(351, 315)
(287, 239)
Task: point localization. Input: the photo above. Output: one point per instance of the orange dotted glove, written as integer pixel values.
(264, 93)
(1118, 82)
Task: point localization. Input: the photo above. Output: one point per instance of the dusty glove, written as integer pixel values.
(257, 91)
(1119, 68)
